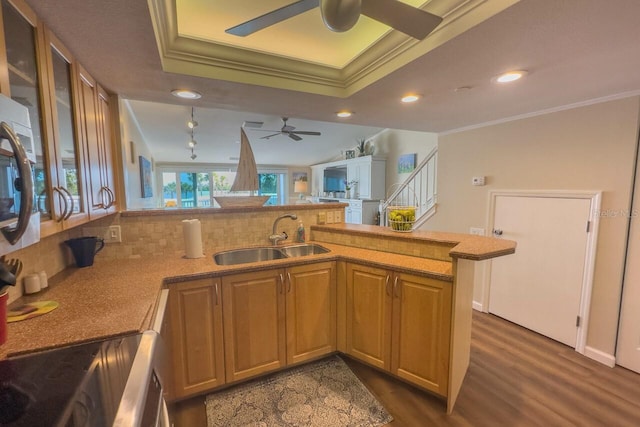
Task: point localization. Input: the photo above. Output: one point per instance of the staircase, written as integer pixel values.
(419, 190)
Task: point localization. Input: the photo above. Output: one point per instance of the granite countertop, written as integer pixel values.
(118, 297)
(466, 246)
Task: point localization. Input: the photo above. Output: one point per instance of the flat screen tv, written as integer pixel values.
(334, 178)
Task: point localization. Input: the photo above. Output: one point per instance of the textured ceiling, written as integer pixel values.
(575, 51)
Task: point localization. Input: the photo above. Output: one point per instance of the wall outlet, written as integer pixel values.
(330, 218)
(476, 231)
(322, 217)
(337, 217)
(113, 234)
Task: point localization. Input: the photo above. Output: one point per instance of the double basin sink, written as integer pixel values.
(268, 253)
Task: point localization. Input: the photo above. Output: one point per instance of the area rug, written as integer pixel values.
(319, 394)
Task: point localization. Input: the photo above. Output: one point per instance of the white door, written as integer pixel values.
(628, 353)
(540, 286)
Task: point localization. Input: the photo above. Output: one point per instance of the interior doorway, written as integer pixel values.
(546, 285)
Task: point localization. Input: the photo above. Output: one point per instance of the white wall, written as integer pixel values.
(587, 148)
(393, 143)
(131, 136)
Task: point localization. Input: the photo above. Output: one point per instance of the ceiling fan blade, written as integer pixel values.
(273, 17)
(410, 20)
(269, 136)
(304, 132)
(294, 137)
(287, 128)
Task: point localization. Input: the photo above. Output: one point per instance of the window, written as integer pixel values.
(189, 187)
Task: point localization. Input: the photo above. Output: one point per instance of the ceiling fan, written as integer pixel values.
(288, 131)
(342, 15)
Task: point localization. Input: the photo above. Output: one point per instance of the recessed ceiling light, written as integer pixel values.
(344, 114)
(511, 76)
(410, 98)
(186, 94)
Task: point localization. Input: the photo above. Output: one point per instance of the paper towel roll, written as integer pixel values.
(192, 230)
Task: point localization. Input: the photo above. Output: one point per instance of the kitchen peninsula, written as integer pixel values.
(372, 267)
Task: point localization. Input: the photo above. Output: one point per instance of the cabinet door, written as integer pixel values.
(96, 134)
(24, 81)
(311, 311)
(68, 149)
(196, 336)
(106, 148)
(421, 331)
(254, 323)
(369, 315)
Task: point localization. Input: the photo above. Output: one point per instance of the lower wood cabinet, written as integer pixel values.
(311, 311)
(254, 323)
(278, 317)
(196, 345)
(400, 323)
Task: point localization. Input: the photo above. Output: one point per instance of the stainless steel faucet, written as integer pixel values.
(275, 237)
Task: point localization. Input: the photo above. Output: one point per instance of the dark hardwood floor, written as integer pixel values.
(516, 378)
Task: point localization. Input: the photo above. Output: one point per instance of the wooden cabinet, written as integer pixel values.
(311, 311)
(197, 352)
(254, 323)
(368, 317)
(73, 169)
(421, 331)
(96, 133)
(278, 317)
(401, 323)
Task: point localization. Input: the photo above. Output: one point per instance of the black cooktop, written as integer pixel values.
(41, 389)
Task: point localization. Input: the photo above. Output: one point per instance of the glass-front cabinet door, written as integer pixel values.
(68, 150)
(26, 87)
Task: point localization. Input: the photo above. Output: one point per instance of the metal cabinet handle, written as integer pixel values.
(281, 284)
(386, 285)
(68, 193)
(112, 197)
(395, 287)
(289, 280)
(66, 204)
(217, 294)
(14, 233)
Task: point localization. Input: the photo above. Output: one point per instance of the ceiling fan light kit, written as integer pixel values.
(342, 15)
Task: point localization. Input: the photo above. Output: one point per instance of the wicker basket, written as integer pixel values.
(402, 214)
(401, 218)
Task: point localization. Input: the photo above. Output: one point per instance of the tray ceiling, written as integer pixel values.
(300, 53)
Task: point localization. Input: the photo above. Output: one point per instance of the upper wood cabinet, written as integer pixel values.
(197, 348)
(73, 172)
(400, 323)
(95, 125)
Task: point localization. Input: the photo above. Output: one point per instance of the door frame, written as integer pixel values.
(590, 254)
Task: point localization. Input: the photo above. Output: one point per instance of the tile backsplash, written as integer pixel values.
(153, 234)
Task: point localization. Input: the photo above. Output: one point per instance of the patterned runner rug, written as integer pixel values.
(322, 393)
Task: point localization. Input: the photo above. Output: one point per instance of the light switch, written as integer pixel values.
(476, 231)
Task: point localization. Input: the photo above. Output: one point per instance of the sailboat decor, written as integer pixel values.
(246, 180)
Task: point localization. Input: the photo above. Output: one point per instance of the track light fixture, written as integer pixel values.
(191, 124)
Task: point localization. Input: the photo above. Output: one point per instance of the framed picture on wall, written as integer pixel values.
(145, 177)
(407, 163)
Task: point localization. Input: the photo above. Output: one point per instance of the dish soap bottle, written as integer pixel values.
(300, 233)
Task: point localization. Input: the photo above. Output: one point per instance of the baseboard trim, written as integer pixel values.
(478, 306)
(600, 356)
